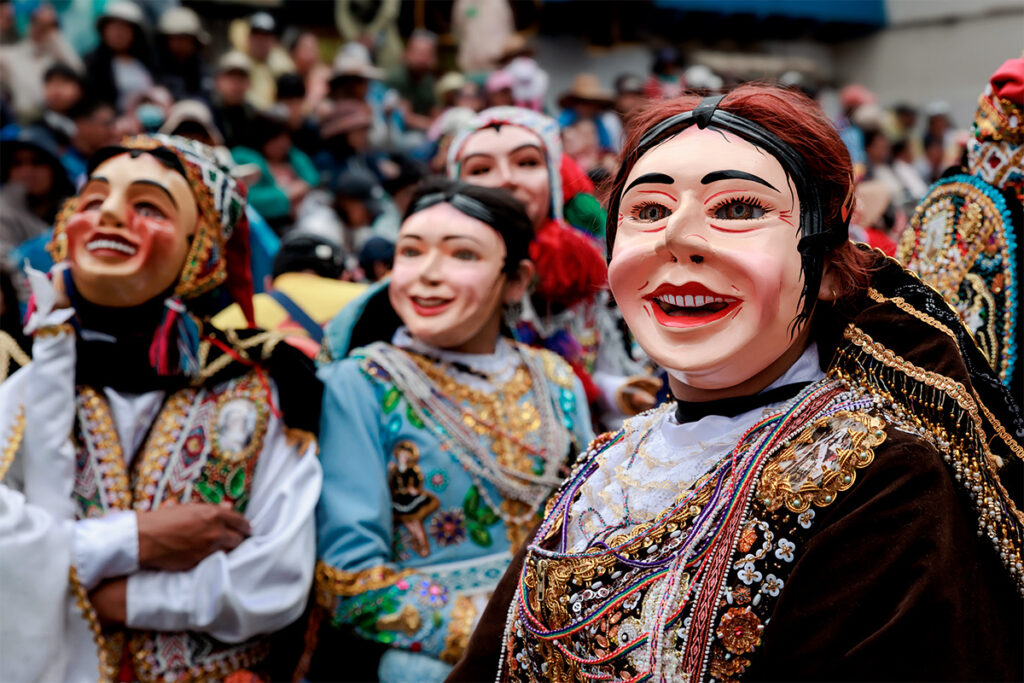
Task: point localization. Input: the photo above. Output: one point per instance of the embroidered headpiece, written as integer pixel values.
(995, 153)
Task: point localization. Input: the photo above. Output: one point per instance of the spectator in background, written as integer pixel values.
(933, 161)
(286, 175)
(498, 89)
(268, 60)
(852, 98)
(148, 112)
(629, 96)
(306, 292)
(529, 81)
(346, 141)
(314, 74)
(377, 258)
(355, 78)
(447, 90)
(666, 79)
(904, 121)
(481, 28)
(182, 68)
(587, 100)
(878, 151)
(359, 201)
(23, 64)
(62, 89)
(414, 81)
(232, 113)
(121, 66)
(292, 99)
(94, 129)
(34, 185)
(192, 119)
(903, 166)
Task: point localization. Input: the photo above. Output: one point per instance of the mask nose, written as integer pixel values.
(686, 232)
(114, 211)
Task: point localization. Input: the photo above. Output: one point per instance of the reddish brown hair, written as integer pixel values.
(796, 120)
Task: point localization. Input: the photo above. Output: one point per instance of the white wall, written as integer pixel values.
(925, 61)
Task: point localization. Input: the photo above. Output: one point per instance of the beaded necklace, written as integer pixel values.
(453, 424)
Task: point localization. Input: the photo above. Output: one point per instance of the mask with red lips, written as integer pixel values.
(705, 266)
(130, 233)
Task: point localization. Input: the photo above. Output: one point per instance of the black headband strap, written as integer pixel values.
(703, 112)
(464, 203)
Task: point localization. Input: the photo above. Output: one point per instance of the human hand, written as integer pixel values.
(109, 599)
(638, 394)
(178, 537)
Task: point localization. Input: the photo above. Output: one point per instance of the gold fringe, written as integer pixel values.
(301, 439)
(13, 442)
(10, 354)
(108, 669)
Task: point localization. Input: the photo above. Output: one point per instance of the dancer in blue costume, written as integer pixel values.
(442, 441)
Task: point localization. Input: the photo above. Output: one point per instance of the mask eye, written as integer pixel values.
(739, 210)
(147, 210)
(91, 204)
(465, 255)
(650, 212)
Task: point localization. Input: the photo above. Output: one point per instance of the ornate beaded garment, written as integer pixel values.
(688, 595)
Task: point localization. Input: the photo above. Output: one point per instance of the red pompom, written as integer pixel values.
(570, 267)
(574, 179)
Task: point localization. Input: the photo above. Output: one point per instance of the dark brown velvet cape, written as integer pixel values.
(895, 582)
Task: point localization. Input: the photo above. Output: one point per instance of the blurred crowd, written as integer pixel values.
(331, 150)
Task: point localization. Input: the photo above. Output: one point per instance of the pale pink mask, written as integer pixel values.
(705, 266)
(448, 284)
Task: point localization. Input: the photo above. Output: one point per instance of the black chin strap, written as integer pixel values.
(691, 411)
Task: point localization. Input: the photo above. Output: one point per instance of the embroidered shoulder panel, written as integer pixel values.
(821, 462)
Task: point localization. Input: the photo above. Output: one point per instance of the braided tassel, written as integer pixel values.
(176, 323)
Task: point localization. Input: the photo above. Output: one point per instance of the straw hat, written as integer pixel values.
(450, 82)
(355, 63)
(181, 21)
(194, 111)
(586, 88)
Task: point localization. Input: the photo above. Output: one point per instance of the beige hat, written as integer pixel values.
(182, 21)
(193, 111)
(122, 10)
(354, 63)
(586, 88)
(234, 61)
(450, 82)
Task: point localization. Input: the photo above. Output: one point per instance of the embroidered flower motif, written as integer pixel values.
(785, 550)
(741, 595)
(772, 585)
(447, 527)
(723, 669)
(433, 594)
(747, 538)
(748, 574)
(740, 631)
(806, 518)
(438, 480)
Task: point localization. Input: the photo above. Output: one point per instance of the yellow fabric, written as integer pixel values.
(319, 297)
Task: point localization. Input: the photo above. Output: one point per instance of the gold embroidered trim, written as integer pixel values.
(901, 304)
(555, 369)
(10, 354)
(301, 440)
(965, 450)
(776, 488)
(161, 443)
(108, 667)
(54, 330)
(460, 627)
(96, 418)
(13, 442)
(332, 582)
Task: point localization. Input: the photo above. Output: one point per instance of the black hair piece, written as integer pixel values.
(816, 240)
(494, 206)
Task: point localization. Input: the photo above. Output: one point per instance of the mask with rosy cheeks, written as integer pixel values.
(705, 266)
(130, 233)
(448, 284)
(510, 157)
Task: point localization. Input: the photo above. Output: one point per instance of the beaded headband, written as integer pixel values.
(816, 240)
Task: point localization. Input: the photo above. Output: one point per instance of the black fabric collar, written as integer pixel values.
(691, 411)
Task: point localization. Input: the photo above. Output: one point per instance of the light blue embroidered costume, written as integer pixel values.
(436, 464)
